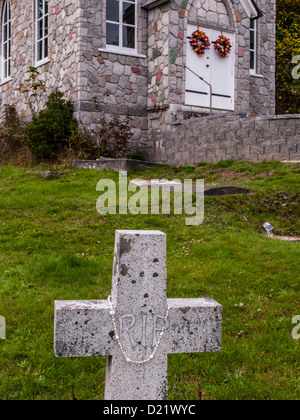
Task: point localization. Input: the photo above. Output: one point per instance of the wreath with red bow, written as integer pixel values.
(199, 42)
(223, 46)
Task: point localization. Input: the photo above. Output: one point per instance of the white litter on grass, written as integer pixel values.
(268, 228)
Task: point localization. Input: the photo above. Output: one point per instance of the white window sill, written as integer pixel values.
(121, 52)
(259, 76)
(4, 81)
(42, 62)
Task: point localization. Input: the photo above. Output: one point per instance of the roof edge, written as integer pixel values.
(150, 4)
(251, 8)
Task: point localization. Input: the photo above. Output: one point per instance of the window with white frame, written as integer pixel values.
(41, 31)
(6, 41)
(121, 24)
(253, 46)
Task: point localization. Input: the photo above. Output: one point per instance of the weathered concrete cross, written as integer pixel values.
(139, 327)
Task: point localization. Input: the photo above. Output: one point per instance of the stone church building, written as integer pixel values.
(111, 56)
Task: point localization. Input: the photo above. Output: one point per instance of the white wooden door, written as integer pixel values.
(217, 71)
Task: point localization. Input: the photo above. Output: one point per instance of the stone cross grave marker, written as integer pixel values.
(137, 327)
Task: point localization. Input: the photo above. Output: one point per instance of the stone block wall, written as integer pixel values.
(63, 65)
(233, 136)
(118, 82)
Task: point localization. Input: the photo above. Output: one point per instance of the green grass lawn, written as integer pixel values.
(55, 246)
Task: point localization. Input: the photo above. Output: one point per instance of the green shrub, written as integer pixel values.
(136, 155)
(49, 132)
(83, 145)
(113, 132)
(12, 135)
(223, 164)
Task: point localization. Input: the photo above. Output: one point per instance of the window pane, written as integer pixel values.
(112, 34)
(129, 13)
(39, 51)
(5, 56)
(39, 8)
(46, 26)
(5, 33)
(128, 37)
(46, 7)
(40, 29)
(252, 60)
(112, 10)
(5, 13)
(45, 47)
(252, 40)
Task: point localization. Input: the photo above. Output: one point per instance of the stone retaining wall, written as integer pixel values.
(234, 136)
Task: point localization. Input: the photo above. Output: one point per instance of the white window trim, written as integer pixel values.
(119, 49)
(4, 81)
(4, 62)
(259, 76)
(42, 62)
(46, 59)
(130, 53)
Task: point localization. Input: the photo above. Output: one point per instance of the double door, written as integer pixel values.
(217, 71)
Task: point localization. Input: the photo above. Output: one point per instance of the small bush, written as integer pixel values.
(49, 132)
(223, 164)
(83, 145)
(136, 155)
(114, 135)
(12, 135)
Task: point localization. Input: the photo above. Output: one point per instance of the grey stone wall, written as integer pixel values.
(233, 136)
(117, 81)
(62, 69)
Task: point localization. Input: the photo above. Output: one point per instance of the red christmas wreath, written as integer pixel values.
(223, 46)
(199, 42)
